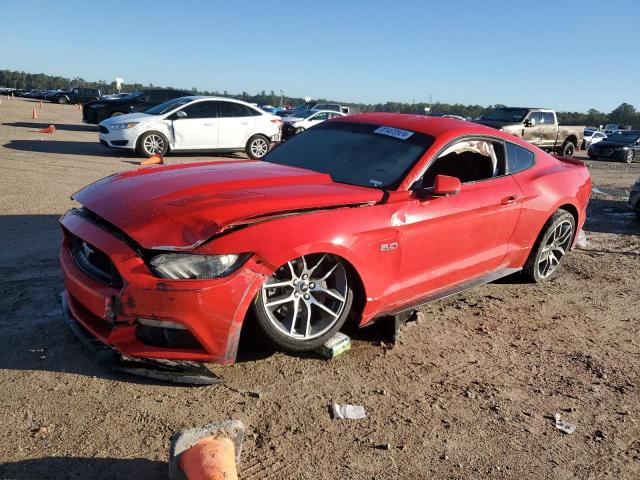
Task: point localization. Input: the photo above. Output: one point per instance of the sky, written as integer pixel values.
(562, 54)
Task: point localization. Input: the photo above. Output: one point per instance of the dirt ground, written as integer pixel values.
(469, 392)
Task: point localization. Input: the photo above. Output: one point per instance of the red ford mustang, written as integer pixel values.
(360, 217)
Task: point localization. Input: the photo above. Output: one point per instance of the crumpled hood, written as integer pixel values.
(179, 207)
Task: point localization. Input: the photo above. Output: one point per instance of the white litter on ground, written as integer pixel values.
(345, 411)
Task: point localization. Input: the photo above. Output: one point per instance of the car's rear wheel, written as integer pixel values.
(629, 156)
(305, 302)
(568, 149)
(152, 143)
(257, 147)
(551, 247)
(62, 100)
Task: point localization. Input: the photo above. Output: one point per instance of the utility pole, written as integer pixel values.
(281, 98)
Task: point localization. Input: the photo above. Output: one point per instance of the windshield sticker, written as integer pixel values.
(375, 183)
(393, 132)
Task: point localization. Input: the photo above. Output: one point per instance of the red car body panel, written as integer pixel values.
(278, 213)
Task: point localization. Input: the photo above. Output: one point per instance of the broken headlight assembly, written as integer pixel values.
(183, 266)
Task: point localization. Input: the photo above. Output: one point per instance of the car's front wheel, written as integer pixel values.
(257, 147)
(152, 143)
(299, 130)
(305, 302)
(551, 247)
(629, 156)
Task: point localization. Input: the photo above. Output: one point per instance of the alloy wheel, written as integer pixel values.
(153, 144)
(555, 248)
(259, 147)
(305, 298)
(629, 157)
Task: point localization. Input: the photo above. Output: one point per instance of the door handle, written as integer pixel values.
(511, 200)
(208, 124)
(244, 123)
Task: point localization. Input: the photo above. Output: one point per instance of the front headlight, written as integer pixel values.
(123, 126)
(181, 266)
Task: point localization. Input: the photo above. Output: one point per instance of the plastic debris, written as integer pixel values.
(336, 345)
(346, 411)
(564, 427)
(582, 241)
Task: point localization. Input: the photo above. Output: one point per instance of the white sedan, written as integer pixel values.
(304, 119)
(591, 137)
(194, 124)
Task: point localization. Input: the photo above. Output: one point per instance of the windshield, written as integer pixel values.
(305, 106)
(623, 137)
(302, 114)
(354, 153)
(168, 106)
(131, 96)
(506, 115)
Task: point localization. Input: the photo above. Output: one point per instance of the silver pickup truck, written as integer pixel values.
(536, 125)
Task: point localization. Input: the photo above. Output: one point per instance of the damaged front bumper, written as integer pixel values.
(209, 313)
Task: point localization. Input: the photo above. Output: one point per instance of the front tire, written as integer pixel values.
(152, 143)
(257, 147)
(305, 302)
(551, 247)
(629, 156)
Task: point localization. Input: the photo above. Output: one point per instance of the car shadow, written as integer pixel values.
(611, 216)
(80, 467)
(60, 147)
(59, 126)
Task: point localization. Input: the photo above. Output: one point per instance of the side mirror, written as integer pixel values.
(530, 122)
(445, 186)
(181, 114)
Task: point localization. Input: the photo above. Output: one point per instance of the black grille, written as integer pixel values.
(94, 262)
(103, 129)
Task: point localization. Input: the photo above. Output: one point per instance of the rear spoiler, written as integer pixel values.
(571, 160)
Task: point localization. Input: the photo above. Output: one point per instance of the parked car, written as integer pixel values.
(96, 111)
(302, 120)
(634, 197)
(335, 107)
(538, 126)
(360, 217)
(611, 128)
(623, 145)
(194, 124)
(591, 137)
(75, 95)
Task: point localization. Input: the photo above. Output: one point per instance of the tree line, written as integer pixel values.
(625, 113)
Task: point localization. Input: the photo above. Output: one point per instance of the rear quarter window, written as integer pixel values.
(518, 158)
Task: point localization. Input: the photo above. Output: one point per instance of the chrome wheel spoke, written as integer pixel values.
(331, 292)
(326, 309)
(279, 301)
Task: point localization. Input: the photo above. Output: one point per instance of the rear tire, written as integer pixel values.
(568, 149)
(257, 147)
(62, 100)
(551, 247)
(152, 143)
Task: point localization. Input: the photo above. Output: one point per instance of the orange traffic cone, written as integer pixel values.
(210, 459)
(34, 114)
(207, 453)
(49, 129)
(40, 103)
(153, 160)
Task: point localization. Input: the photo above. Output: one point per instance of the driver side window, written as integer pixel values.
(469, 160)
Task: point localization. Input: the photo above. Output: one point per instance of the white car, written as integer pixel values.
(591, 137)
(194, 124)
(303, 119)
